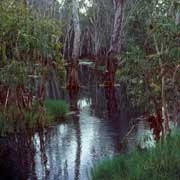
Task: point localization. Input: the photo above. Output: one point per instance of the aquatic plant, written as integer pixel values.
(57, 108)
(161, 162)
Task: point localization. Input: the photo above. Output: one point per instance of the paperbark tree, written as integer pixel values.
(177, 18)
(115, 46)
(77, 30)
(73, 82)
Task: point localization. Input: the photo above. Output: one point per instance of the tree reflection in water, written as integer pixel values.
(17, 157)
(73, 96)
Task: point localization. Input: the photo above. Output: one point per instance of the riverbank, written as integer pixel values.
(161, 162)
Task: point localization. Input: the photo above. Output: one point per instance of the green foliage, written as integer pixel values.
(133, 73)
(28, 38)
(60, 70)
(12, 120)
(142, 71)
(57, 108)
(161, 162)
(22, 32)
(29, 50)
(16, 73)
(37, 117)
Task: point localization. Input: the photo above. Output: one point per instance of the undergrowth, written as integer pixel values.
(159, 163)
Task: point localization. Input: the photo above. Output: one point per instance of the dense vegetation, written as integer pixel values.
(130, 42)
(144, 54)
(151, 59)
(161, 162)
(29, 52)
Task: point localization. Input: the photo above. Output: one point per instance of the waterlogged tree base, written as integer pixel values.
(73, 80)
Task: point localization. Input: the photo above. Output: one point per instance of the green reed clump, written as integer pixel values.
(161, 162)
(57, 108)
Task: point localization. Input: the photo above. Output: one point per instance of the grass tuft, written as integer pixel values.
(161, 162)
(57, 108)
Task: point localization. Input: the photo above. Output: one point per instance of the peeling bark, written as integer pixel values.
(177, 17)
(115, 46)
(77, 30)
(165, 114)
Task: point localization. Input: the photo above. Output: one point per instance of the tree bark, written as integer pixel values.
(73, 81)
(77, 30)
(165, 113)
(115, 46)
(177, 17)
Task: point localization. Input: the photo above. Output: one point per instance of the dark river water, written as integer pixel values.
(68, 151)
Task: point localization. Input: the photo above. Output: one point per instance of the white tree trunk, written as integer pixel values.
(165, 114)
(177, 18)
(77, 30)
(116, 35)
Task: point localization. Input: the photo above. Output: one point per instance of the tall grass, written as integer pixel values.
(57, 108)
(159, 163)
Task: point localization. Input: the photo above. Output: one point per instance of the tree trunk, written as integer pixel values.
(115, 46)
(177, 18)
(165, 114)
(73, 82)
(77, 30)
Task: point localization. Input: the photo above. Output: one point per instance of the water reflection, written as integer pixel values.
(67, 151)
(111, 103)
(17, 157)
(73, 96)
